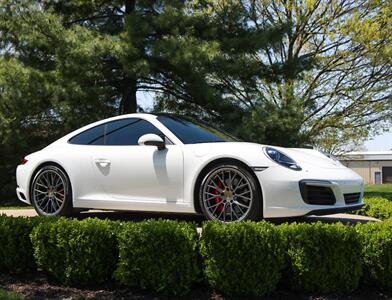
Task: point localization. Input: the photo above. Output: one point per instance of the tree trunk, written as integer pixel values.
(129, 102)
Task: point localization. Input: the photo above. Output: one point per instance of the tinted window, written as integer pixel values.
(120, 132)
(128, 131)
(92, 136)
(192, 132)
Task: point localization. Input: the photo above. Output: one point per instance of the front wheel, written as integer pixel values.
(229, 193)
(51, 192)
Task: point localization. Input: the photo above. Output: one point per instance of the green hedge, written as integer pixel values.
(160, 255)
(322, 258)
(16, 250)
(377, 207)
(76, 252)
(10, 295)
(376, 239)
(242, 258)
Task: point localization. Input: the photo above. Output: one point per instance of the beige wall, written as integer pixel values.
(367, 168)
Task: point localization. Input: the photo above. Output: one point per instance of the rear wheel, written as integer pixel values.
(51, 193)
(229, 193)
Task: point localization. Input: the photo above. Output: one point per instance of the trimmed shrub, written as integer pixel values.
(76, 252)
(16, 250)
(376, 239)
(160, 255)
(242, 259)
(10, 295)
(322, 258)
(380, 208)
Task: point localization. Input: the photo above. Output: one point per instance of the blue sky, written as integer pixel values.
(380, 142)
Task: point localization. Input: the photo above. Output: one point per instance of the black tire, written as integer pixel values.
(228, 195)
(51, 192)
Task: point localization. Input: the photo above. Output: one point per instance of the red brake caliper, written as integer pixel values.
(218, 199)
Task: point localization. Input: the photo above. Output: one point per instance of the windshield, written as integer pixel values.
(192, 132)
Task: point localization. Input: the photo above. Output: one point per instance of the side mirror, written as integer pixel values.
(152, 140)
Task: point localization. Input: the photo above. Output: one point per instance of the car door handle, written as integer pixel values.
(102, 162)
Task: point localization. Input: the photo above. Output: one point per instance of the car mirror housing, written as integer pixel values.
(152, 140)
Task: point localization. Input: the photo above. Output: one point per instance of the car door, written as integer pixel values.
(130, 172)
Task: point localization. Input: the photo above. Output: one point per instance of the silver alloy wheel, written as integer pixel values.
(49, 191)
(227, 195)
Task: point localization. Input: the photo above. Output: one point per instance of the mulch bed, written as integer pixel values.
(40, 288)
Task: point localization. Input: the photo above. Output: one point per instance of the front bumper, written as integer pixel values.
(335, 210)
(282, 195)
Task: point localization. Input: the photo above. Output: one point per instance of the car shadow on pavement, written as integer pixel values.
(198, 218)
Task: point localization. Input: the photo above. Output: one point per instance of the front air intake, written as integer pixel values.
(352, 198)
(317, 195)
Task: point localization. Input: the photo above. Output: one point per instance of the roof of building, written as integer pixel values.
(367, 155)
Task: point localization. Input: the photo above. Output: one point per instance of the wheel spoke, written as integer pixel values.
(235, 213)
(211, 194)
(216, 204)
(216, 208)
(42, 199)
(215, 187)
(238, 184)
(240, 187)
(41, 192)
(58, 199)
(210, 198)
(46, 205)
(232, 179)
(54, 208)
(243, 197)
(243, 193)
(240, 205)
(41, 185)
(221, 180)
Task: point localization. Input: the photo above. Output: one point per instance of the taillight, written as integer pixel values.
(24, 161)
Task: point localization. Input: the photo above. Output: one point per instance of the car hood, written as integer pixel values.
(306, 158)
(310, 157)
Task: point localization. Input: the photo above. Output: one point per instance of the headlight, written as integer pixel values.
(329, 155)
(281, 158)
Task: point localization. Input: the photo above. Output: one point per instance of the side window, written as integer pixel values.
(128, 131)
(92, 136)
(120, 132)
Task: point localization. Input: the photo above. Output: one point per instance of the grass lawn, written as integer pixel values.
(7, 295)
(379, 190)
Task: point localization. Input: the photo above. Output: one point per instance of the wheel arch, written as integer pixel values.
(208, 166)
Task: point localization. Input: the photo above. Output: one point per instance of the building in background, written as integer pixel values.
(375, 167)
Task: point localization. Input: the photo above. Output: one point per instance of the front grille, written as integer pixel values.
(352, 198)
(317, 195)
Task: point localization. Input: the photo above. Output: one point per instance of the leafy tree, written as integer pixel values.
(371, 26)
(333, 103)
(68, 63)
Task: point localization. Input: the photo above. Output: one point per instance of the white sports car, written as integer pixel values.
(167, 163)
